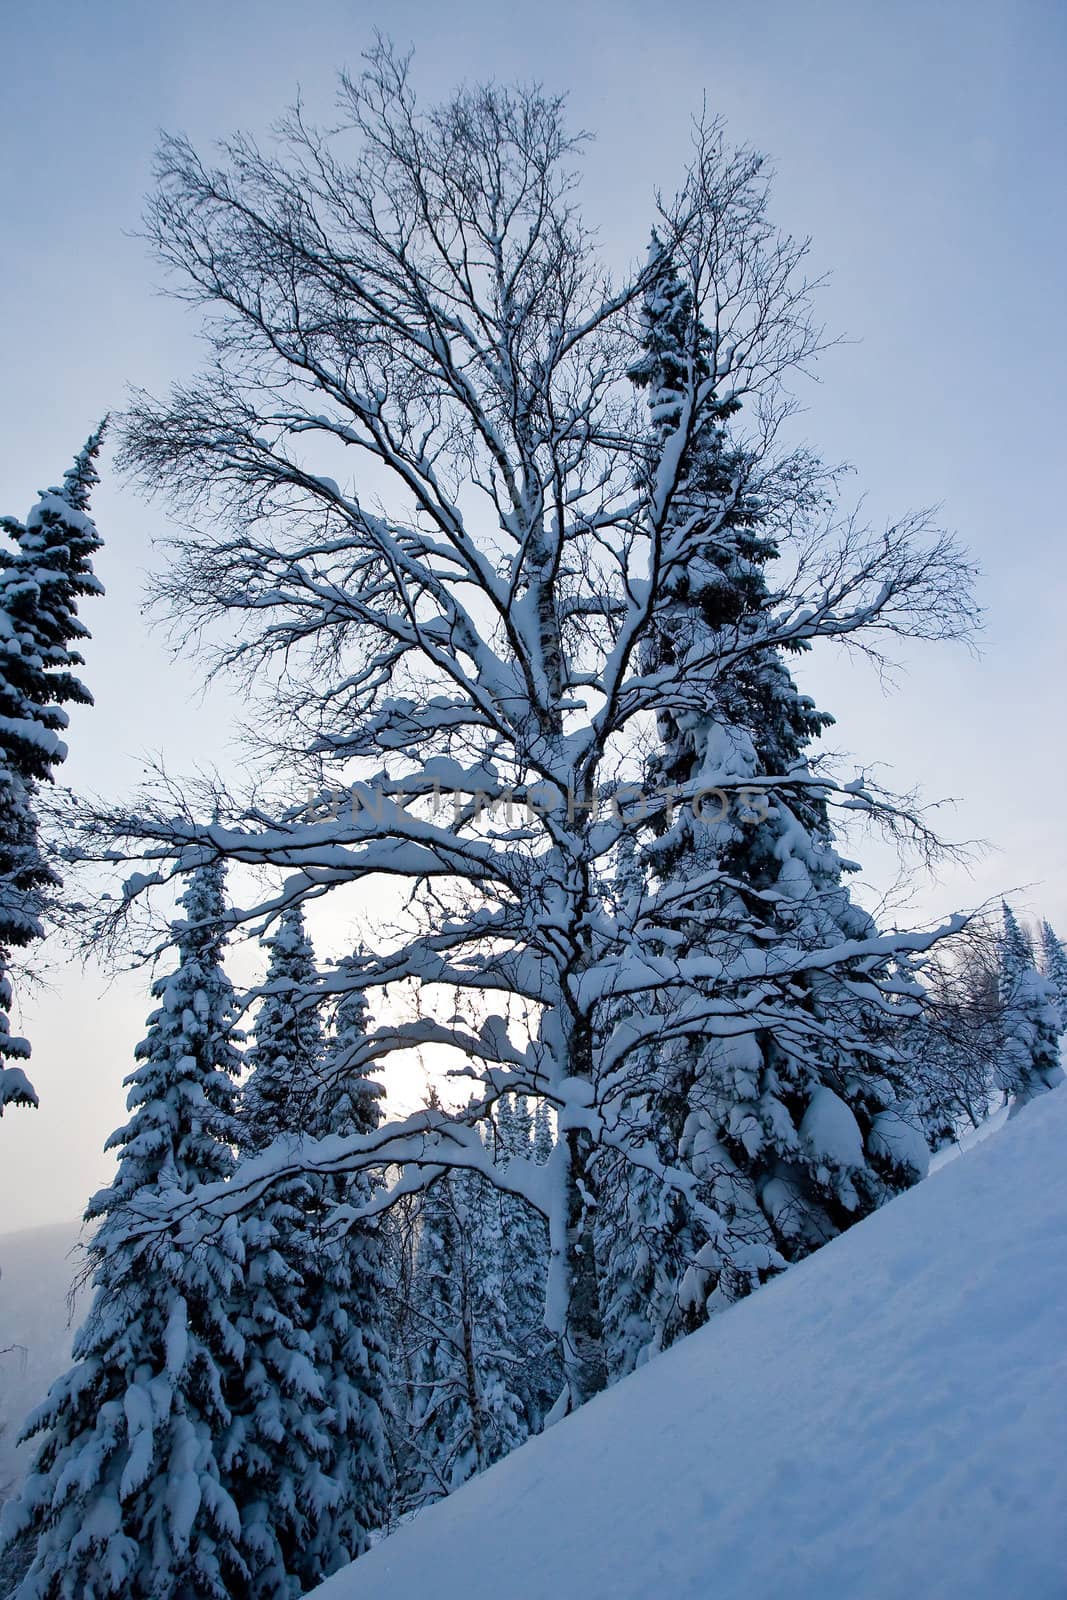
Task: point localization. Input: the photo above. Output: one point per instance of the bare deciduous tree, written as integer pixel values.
(420, 500)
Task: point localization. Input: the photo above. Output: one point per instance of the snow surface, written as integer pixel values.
(37, 1268)
(887, 1420)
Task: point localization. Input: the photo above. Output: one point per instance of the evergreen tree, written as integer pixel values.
(796, 1122)
(43, 575)
(1030, 1063)
(495, 1398)
(438, 1455)
(465, 1409)
(1054, 968)
(640, 1232)
(286, 1057)
(641, 1264)
(279, 1446)
(544, 1137)
(345, 1302)
(955, 1045)
(535, 1370)
(128, 1494)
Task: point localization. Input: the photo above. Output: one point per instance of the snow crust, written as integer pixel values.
(886, 1420)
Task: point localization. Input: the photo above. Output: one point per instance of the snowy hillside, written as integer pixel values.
(37, 1267)
(886, 1421)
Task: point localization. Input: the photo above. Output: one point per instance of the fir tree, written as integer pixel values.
(439, 1428)
(536, 1375)
(954, 1046)
(278, 1446)
(43, 576)
(465, 1409)
(799, 1126)
(286, 1057)
(495, 1361)
(345, 1302)
(1030, 1062)
(1054, 968)
(128, 1493)
(640, 1231)
(544, 1137)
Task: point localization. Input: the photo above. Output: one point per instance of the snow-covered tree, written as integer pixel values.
(800, 1125)
(544, 1138)
(128, 1493)
(1030, 1060)
(533, 1371)
(640, 1235)
(44, 572)
(465, 1409)
(421, 296)
(15, 1087)
(497, 1365)
(1054, 968)
(279, 1446)
(344, 1299)
(442, 1449)
(954, 1046)
(286, 1056)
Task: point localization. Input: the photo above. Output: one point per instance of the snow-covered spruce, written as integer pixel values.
(1030, 1060)
(533, 1372)
(480, 1369)
(1054, 968)
(954, 1046)
(127, 1496)
(492, 643)
(799, 1127)
(285, 1059)
(464, 1408)
(437, 1456)
(278, 1446)
(640, 1234)
(44, 572)
(344, 1298)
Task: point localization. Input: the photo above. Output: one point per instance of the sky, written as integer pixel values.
(920, 145)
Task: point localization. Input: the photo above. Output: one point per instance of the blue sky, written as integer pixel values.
(922, 146)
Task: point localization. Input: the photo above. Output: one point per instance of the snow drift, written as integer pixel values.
(887, 1420)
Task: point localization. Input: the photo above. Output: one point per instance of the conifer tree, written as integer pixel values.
(544, 1137)
(536, 1375)
(495, 1362)
(439, 1414)
(955, 1044)
(1030, 1062)
(798, 1127)
(640, 1233)
(1054, 968)
(45, 572)
(128, 1494)
(286, 1057)
(465, 1408)
(345, 1301)
(640, 1242)
(279, 1447)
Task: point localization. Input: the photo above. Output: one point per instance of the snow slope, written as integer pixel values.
(887, 1421)
(37, 1267)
